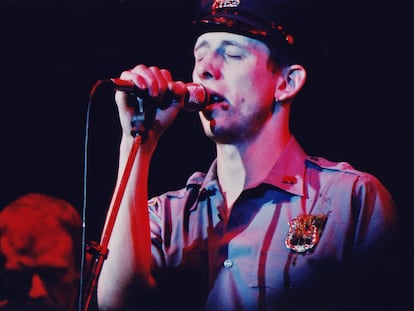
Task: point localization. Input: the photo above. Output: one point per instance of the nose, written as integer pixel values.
(208, 68)
(37, 288)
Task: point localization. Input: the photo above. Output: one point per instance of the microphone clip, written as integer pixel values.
(144, 116)
(144, 107)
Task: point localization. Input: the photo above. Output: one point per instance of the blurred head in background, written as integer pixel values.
(39, 254)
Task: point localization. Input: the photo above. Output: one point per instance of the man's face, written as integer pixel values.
(40, 271)
(236, 71)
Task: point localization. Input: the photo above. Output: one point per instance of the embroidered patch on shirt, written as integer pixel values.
(304, 232)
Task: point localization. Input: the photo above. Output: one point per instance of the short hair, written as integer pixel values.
(39, 211)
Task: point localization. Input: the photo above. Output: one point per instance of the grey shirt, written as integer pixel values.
(287, 243)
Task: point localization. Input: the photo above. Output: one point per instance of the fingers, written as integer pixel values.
(178, 89)
(167, 94)
(153, 79)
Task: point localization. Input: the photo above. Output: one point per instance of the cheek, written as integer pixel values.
(256, 99)
(256, 89)
(194, 76)
(266, 89)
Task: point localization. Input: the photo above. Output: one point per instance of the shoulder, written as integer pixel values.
(342, 173)
(326, 164)
(371, 204)
(340, 168)
(192, 187)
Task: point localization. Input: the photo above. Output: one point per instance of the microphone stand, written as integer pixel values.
(141, 122)
(100, 252)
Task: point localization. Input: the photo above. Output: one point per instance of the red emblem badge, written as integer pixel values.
(304, 232)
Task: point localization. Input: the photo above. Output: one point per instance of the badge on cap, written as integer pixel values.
(219, 4)
(304, 232)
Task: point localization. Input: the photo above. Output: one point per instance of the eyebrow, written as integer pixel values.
(201, 44)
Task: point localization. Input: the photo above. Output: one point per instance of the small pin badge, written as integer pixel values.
(291, 180)
(304, 232)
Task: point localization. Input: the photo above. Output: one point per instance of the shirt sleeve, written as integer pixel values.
(374, 277)
(375, 215)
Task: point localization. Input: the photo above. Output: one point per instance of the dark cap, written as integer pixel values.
(261, 19)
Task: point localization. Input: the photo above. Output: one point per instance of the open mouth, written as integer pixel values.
(217, 102)
(216, 98)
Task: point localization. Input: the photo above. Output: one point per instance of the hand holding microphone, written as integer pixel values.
(195, 99)
(158, 99)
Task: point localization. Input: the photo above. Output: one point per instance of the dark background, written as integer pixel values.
(355, 107)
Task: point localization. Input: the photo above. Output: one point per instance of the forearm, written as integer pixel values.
(129, 256)
(129, 249)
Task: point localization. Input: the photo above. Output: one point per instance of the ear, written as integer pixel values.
(292, 79)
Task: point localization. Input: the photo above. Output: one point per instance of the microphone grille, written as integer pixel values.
(196, 98)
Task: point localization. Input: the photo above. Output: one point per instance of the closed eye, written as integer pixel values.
(233, 52)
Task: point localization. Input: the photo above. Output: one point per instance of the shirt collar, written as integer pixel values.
(287, 173)
(289, 170)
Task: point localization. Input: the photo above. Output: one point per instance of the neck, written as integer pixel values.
(244, 165)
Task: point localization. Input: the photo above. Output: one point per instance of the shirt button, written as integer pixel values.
(228, 264)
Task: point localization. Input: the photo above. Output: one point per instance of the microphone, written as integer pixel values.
(195, 98)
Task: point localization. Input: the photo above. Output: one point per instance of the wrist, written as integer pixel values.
(146, 147)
